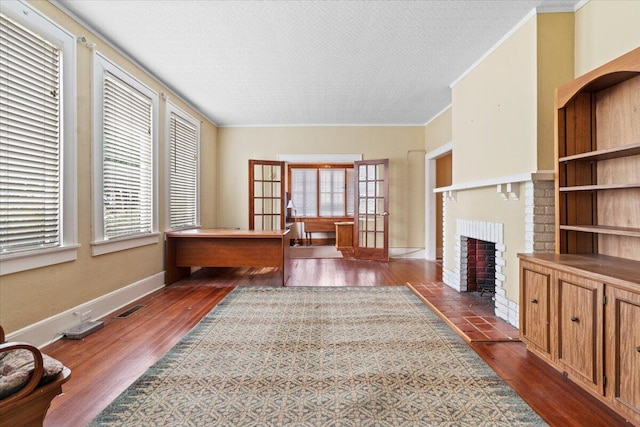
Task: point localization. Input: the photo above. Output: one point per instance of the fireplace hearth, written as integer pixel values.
(492, 279)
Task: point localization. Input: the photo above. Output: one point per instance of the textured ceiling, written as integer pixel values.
(253, 63)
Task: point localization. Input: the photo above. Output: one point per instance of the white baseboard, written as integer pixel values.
(49, 330)
(413, 253)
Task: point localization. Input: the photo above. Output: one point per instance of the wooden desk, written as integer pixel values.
(225, 248)
(321, 225)
(317, 227)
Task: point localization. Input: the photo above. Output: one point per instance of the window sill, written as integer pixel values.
(122, 244)
(29, 260)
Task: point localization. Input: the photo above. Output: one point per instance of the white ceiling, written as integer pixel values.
(267, 63)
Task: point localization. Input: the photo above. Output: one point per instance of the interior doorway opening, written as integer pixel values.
(438, 176)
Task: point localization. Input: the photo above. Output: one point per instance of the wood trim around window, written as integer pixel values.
(318, 167)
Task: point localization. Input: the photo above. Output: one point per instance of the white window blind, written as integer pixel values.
(127, 160)
(332, 192)
(350, 189)
(30, 169)
(304, 189)
(322, 192)
(183, 170)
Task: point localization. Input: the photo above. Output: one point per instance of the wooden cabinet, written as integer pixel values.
(623, 342)
(344, 235)
(580, 307)
(580, 316)
(535, 308)
(581, 313)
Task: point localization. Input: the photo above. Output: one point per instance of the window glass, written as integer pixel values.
(38, 204)
(326, 191)
(30, 142)
(127, 160)
(124, 156)
(304, 192)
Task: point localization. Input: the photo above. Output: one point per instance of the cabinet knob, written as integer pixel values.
(574, 319)
(638, 349)
(534, 301)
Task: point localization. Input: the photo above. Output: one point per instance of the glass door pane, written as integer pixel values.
(266, 195)
(372, 216)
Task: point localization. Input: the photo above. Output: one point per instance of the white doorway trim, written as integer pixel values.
(319, 158)
(430, 199)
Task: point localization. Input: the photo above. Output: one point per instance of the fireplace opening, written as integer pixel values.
(481, 266)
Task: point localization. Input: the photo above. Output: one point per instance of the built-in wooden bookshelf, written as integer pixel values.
(610, 153)
(598, 161)
(580, 307)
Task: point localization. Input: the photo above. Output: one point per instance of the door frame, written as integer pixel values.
(430, 200)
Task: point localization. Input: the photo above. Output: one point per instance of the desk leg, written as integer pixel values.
(286, 258)
(172, 272)
(172, 275)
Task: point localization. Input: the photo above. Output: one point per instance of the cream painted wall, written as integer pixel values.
(502, 124)
(605, 29)
(31, 296)
(555, 47)
(439, 130)
(521, 75)
(403, 146)
(494, 126)
(208, 174)
(494, 112)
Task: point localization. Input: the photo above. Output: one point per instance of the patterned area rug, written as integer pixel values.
(269, 356)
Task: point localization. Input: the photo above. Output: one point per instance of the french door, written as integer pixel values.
(371, 225)
(266, 195)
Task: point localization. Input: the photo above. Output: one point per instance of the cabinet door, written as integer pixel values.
(535, 307)
(623, 343)
(580, 317)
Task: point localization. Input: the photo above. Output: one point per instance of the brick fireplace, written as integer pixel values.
(539, 236)
(481, 266)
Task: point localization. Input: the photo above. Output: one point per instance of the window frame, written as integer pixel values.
(67, 250)
(318, 167)
(171, 108)
(101, 245)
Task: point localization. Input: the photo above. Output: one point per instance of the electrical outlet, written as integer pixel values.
(85, 316)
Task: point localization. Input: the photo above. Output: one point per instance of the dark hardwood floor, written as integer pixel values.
(107, 361)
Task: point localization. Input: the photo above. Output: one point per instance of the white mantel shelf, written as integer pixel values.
(542, 175)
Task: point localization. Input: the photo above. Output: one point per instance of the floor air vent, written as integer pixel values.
(129, 312)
